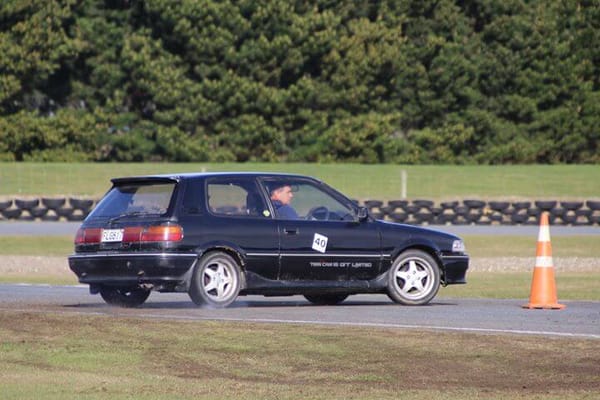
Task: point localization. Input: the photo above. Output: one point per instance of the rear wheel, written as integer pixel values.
(216, 280)
(414, 278)
(326, 299)
(131, 297)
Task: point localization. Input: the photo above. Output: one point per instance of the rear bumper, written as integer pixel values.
(455, 269)
(163, 271)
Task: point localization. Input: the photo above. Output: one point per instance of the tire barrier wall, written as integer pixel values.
(479, 212)
(414, 212)
(46, 209)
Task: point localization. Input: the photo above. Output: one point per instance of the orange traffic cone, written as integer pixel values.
(543, 287)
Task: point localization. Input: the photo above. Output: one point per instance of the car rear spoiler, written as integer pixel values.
(144, 180)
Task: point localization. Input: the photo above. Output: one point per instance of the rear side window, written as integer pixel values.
(235, 197)
(135, 199)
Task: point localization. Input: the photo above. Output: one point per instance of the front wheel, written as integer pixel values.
(128, 298)
(414, 278)
(216, 281)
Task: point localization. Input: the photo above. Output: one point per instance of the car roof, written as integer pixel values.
(176, 177)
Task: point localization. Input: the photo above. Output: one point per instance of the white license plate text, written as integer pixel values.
(112, 235)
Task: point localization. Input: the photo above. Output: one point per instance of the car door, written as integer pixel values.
(325, 241)
(235, 216)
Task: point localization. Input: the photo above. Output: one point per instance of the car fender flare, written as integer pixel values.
(227, 247)
(420, 244)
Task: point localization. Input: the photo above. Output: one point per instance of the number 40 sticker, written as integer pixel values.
(320, 243)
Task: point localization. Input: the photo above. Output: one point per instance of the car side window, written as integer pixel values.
(304, 200)
(233, 197)
(315, 204)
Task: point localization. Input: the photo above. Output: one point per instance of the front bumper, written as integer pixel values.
(162, 271)
(455, 269)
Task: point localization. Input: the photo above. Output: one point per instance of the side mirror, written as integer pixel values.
(362, 214)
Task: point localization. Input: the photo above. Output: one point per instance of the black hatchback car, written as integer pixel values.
(217, 236)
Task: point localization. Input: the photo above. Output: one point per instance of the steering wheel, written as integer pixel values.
(319, 213)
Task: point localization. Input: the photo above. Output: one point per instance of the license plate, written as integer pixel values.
(112, 235)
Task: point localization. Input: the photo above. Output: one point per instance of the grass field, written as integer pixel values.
(381, 182)
(57, 356)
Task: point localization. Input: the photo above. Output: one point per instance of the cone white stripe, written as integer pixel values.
(544, 235)
(544, 262)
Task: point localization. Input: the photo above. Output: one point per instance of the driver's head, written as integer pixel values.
(282, 194)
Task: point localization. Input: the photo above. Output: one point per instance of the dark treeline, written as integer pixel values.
(405, 81)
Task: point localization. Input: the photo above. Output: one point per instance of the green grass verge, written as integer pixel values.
(51, 356)
(517, 285)
(525, 246)
(356, 180)
(37, 245)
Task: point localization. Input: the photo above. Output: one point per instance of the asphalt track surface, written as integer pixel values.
(49, 228)
(580, 319)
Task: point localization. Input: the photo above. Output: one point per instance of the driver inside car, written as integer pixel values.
(281, 197)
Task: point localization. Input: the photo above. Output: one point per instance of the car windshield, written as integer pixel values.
(135, 200)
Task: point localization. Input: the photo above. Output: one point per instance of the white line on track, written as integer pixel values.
(381, 325)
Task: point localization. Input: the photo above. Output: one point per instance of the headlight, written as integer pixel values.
(458, 246)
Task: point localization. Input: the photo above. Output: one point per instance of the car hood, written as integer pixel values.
(400, 236)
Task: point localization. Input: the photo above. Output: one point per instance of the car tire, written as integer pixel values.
(414, 278)
(127, 298)
(216, 281)
(326, 299)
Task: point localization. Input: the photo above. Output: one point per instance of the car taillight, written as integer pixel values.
(168, 233)
(88, 236)
(133, 234)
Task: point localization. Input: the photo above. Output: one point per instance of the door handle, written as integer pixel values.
(290, 231)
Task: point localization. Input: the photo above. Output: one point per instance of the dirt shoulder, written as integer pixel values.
(46, 265)
(525, 264)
